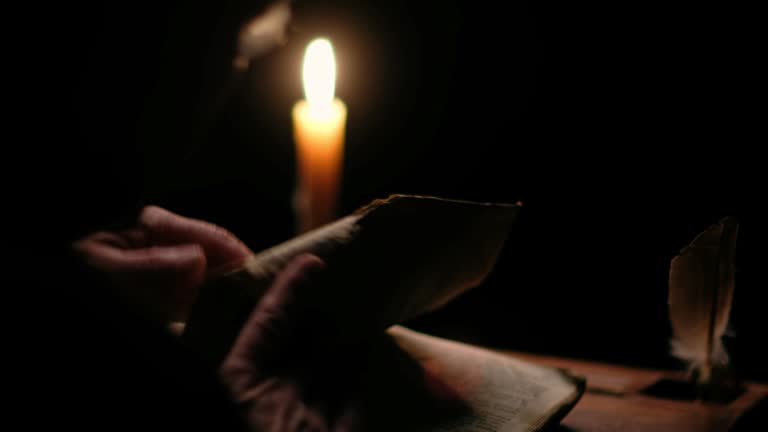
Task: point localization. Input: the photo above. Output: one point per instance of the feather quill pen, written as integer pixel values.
(701, 284)
(263, 32)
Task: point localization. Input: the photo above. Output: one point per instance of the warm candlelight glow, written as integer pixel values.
(318, 128)
(319, 76)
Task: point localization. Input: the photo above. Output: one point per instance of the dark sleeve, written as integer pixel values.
(90, 363)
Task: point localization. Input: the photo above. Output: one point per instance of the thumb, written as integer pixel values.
(272, 326)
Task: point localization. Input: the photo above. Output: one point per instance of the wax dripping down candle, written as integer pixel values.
(318, 128)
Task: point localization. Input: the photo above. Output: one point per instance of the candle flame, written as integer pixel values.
(319, 75)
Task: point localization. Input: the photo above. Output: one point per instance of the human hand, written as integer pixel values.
(274, 366)
(161, 263)
(292, 368)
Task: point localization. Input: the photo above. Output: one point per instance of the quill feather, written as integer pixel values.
(263, 33)
(701, 284)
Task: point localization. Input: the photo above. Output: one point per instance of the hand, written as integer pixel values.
(160, 264)
(290, 371)
(274, 366)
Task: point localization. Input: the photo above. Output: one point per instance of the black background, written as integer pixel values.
(625, 128)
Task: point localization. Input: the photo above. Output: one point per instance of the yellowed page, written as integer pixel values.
(393, 259)
(503, 394)
(387, 262)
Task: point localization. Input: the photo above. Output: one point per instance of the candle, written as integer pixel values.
(318, 129)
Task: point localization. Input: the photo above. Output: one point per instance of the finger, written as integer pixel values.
(131, 238)
(186, 261)
(221, 247)
(164, 279)
(135, 238)
(271, 326)
(106, 256)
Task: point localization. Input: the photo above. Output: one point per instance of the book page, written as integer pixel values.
(502, 393)
(388, 262)
(394, 259)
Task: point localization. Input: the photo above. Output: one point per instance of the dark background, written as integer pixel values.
(625, 128)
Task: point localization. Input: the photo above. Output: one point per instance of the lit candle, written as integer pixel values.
(318, 129)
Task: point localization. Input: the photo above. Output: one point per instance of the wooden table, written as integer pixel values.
(616, 400)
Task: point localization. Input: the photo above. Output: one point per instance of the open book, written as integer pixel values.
(386, 263)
